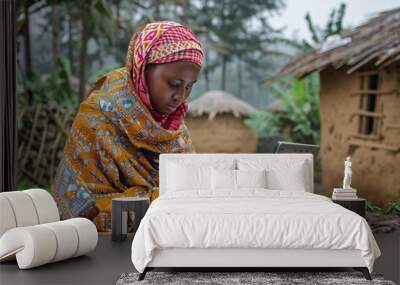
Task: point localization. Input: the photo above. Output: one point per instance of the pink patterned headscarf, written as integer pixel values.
(161, 42)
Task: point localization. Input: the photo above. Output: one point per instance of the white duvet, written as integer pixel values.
(253, 218)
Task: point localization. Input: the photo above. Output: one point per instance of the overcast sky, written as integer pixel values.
(356, 12)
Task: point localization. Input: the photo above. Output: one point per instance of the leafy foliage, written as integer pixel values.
(393, 208)
(25, 183)
(334, 26)
(373, 208)
(55, 88)
(299, 120)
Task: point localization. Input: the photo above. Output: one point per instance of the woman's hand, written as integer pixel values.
(155, 191)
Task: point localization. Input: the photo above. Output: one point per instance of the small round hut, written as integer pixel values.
(215, 120)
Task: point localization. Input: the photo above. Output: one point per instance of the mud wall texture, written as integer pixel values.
(223, 134)
(376, 161)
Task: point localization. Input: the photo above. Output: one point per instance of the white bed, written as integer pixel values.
(203, 221)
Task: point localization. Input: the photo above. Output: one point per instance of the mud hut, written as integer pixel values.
(359, 105)
(215, 120)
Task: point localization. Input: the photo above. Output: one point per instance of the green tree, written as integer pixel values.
(334, 26)
(231, 30)
(239, 29)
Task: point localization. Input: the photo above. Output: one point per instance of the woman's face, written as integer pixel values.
(170, 84)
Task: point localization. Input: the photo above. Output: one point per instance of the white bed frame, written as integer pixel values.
(249, 258)
(234, 257)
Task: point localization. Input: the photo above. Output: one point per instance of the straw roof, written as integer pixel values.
(217, 101)
(377, 41)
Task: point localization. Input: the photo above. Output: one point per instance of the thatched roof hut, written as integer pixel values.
(377, 41)
(359, 105)
(215, 120)
(217, 102)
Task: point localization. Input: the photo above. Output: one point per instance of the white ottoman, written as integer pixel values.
(31, 232)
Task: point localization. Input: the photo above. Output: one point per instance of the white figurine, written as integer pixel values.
(347, 174)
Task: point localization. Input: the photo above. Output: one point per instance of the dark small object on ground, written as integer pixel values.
(383, 223)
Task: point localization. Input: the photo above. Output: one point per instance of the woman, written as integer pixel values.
(131, 116)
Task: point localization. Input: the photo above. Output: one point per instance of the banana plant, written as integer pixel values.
(393, 208)
(299, 120)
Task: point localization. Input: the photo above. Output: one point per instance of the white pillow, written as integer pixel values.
(228, 179)
(186, 174)
(251, 178)
(293, 180)
(188, 177)
(223, 179)
(282, 174)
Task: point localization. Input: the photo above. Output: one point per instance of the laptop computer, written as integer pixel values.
(289, 147)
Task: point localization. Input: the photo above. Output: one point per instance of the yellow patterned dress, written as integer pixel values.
(112, 151)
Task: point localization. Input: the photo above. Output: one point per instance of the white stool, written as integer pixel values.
(32, 233)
